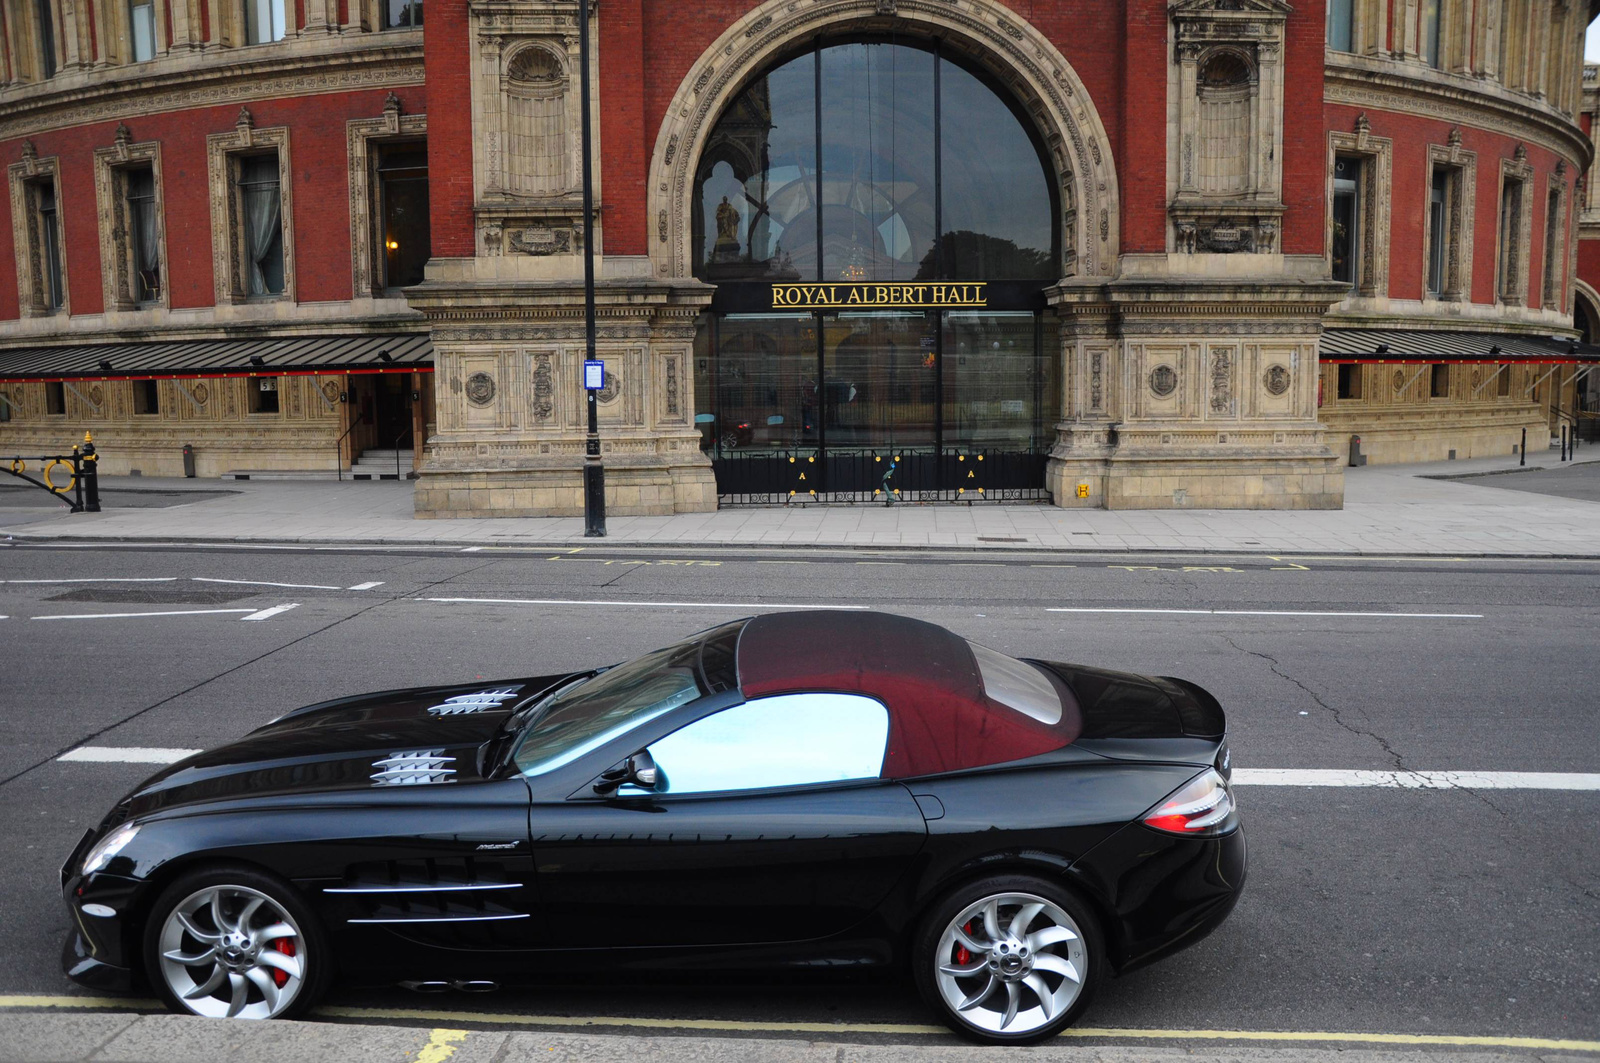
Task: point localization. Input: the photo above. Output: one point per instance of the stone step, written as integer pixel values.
(282, 474)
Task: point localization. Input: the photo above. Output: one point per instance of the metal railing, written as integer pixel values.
(881, 476)
(338, 448)
(83, 465)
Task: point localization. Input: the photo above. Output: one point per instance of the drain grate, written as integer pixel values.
(149, 596)
(1000, 539)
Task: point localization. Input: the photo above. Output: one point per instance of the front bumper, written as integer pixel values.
(1165, 892)
(80, 964)
(98, 952)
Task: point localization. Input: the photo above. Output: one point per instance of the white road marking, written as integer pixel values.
(1266, 612)
(264, 583)
(265, 614)
(366, 586)
(651, 605)
(126, 755)
(124, 616)
(1419, 780)
(99, 579)
(470, 549)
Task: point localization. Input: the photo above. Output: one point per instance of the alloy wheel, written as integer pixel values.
(1011, 963)
(232, 952)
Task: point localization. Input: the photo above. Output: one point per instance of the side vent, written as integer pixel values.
(413, 768)
(463, 704)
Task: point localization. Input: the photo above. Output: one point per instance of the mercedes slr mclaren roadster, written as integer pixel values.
(800, 792)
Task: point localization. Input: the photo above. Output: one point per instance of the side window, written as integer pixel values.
(787, 740)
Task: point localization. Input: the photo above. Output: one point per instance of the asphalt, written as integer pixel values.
(1370, 913)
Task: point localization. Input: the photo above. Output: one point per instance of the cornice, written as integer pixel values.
(213, 77)
(1376, 84)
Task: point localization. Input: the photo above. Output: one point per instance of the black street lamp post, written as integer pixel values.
(594, 474)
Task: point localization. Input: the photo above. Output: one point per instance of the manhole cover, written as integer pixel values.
(149, 596)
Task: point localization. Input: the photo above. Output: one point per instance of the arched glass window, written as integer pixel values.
(873, 161)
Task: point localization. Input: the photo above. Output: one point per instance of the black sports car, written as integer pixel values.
(810, 791)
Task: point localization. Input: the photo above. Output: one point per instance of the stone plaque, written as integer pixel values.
(480, 389)
(1163, 380)
(1276, 379)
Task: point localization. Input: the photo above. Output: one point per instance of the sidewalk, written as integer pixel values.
(126, 1038)
(1389, 510)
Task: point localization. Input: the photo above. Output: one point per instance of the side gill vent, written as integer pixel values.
(463, 704)
(413, 768)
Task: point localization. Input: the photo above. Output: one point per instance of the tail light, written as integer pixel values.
(1201, 808)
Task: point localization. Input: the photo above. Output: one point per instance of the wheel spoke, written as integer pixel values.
(962, 971)
(218, 974)
(241, 994)
(273, 933)
(193, 929)
(1019, 925)
(223, 926)
(248, 912)
(1039, 940)
(1013, 995)
(971, 943)
(190, 959)
(273, 958)
(269, 989)
(991, 919)
(979, 997)
(1047, 1000)
(1057, 965)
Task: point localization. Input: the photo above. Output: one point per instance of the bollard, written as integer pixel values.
(91, 476)
(1357, 458)
(1563, 442)
(1522, 451)
(188, 461)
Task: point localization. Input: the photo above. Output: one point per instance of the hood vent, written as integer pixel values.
(464, 704)
(413, 768)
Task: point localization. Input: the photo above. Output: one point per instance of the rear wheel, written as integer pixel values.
(234, 943)
(1009, 960)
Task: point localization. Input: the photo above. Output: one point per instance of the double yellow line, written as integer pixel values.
(444, 1040)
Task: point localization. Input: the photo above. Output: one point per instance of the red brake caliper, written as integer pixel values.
(285, 946)
(963, 956)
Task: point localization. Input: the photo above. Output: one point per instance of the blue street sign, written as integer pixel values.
(594, 375)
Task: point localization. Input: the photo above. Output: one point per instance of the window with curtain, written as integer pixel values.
(142, 23)
(261, 202)
(403, 212)
(1438, 229)
(401, 14)
(1341, 24)
(143, 235)
(1510, 264)
(264, 20)
(1553, 254)
(49, 243)
(44, 17)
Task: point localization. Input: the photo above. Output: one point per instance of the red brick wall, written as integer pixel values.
(1304, 147)
(1409, 190)
(1589, 262)
(625, 141)
(319, 187)
(447, 61)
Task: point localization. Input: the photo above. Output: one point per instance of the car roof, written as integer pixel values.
(939, 717)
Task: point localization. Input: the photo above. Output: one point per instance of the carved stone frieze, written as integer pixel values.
(1163, 381)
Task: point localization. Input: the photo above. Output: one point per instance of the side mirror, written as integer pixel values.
(638, 770)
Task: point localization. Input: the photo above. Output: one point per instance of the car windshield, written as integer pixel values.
(584, 716)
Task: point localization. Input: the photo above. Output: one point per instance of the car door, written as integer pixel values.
(768, 823)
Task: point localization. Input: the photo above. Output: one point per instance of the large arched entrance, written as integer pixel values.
(880, 220)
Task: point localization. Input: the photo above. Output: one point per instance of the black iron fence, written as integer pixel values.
(73, 478)
(882, 476)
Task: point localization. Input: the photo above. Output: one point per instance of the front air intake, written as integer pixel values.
(414, 768)
(464, 704)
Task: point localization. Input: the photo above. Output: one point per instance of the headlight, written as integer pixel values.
(104, 849)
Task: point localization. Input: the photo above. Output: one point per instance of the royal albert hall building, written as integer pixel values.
(1107, 253)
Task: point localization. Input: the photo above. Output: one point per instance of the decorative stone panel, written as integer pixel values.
(25, 177)
(1373, 204)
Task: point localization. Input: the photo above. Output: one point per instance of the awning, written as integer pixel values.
(408, 352)
(1413, 346)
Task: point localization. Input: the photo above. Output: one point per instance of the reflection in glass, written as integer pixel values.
(882, 380)
(997, 207)
(403, 190)
(1346, 217)
(998, 392)
(765, 380)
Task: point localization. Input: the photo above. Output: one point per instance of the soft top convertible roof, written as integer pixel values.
(939, 718)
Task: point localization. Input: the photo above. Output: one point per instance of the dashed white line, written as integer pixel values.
(265, 614)
(647, 605)
(126, 755)
(1419, 780)
(1266, 612)
(125, 616)
(470, 549)
(264, 583)
(366, 586)
(99, 579)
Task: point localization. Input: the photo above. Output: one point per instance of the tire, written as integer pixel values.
(268, 958)
(1044, 975)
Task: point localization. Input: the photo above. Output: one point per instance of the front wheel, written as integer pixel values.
(1009, 960)
(234, 943)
